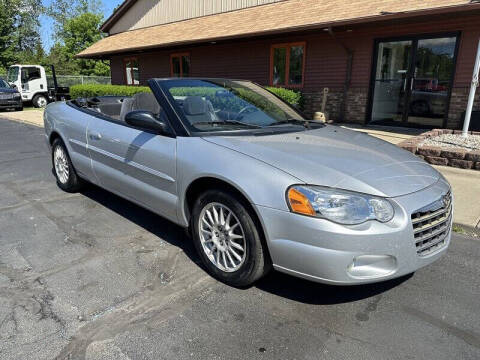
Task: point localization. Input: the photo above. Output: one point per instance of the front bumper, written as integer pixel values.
(322, 251)
(10, 103)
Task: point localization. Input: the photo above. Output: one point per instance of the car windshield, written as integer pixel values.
(4, 84)
(220, 105)
(12, 74)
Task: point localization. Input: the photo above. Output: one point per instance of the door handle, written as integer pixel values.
(95, 136)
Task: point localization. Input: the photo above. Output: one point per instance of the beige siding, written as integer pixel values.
(146, 13)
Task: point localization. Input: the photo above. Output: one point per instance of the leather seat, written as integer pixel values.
(140, 101)
(198, 109)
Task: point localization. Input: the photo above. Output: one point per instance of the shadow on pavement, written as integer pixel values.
(309, 292)
(151, 222)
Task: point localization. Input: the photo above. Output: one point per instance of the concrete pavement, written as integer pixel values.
(30, 116)
(92, 276)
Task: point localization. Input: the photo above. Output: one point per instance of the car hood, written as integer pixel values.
(337, 157)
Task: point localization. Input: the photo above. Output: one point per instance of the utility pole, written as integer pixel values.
(471, 97)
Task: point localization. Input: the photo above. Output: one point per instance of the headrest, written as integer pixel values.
(195, 105)
(146, 101)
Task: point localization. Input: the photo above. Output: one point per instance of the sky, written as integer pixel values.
(46, 30)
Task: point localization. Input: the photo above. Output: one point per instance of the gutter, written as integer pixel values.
(383, 16)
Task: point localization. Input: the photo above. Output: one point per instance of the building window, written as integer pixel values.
(180, 65)
(132, 76)
(287, 64)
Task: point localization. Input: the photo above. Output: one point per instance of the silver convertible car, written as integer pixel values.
(257, 184)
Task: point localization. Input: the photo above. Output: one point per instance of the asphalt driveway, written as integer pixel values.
(91, 276)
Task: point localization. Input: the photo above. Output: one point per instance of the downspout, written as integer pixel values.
(348, 73)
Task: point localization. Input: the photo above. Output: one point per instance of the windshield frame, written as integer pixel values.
(163, 83)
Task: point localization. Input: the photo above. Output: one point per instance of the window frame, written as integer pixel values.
(288, 46)
(125, 62)
(179, 55)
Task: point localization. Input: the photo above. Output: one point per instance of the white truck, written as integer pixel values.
(34, 85)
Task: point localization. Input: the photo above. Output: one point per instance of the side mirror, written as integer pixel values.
(13, 86)
(146, 120)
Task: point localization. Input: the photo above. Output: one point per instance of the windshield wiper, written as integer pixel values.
(228, 122)
(303, 123)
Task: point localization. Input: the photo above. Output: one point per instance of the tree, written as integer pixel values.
(63, 10)
(19, 30)
(7, 37)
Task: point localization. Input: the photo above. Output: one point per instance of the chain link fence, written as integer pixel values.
(69, 80)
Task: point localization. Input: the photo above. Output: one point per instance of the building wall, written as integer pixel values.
(325, 63)
(146, 13)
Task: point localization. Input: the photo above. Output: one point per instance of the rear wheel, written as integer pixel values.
(67, 178)
(227, 239)
(39, 101)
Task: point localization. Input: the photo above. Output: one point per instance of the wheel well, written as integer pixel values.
(207, 183)
(54, 135)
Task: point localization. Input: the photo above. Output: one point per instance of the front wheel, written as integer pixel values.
(40, 101)
(227, 239)
(67, 178)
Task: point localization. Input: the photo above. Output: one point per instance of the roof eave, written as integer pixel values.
(119, 12)
(356, 21)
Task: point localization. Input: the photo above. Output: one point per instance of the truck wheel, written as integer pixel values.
(39, 101)
(20, 108)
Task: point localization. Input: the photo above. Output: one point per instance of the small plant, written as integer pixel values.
(458, 229)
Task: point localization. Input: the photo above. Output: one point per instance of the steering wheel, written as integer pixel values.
(246, 110)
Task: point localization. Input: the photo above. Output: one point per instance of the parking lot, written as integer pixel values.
(92, 276)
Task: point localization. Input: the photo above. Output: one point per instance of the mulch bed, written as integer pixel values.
(446, 156)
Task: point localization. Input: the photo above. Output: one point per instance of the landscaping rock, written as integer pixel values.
(454, 154)
(429, 151)
(473, 156)
(436, 160)
(462, 164)
(411, 148)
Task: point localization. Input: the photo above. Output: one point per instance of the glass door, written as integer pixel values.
(412, 81)
(390, 85)
(431, 81)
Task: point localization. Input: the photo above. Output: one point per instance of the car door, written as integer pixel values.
(135, 164)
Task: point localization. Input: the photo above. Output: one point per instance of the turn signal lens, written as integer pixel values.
(299, 203)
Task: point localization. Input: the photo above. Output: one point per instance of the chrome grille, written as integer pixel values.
(431, 225)
(6, 96)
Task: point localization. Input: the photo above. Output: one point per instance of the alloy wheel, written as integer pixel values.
(222, 237)
(61, 165)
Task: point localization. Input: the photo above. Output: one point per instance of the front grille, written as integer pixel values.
(431, 225)
(6, 96)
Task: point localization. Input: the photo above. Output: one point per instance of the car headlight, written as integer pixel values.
(340, 206)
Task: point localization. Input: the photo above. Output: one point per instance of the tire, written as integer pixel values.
(39, 101)
(19, 109)
(67, 178)
(246, 266)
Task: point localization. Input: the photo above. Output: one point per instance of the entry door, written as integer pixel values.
(412, 81)
(391, 83)
(135, 164)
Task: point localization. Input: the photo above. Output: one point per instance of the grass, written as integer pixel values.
(458, 229)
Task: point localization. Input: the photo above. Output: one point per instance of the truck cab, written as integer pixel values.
(32, 83)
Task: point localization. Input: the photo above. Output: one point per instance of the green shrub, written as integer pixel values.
(91, 90)
(290, 96)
